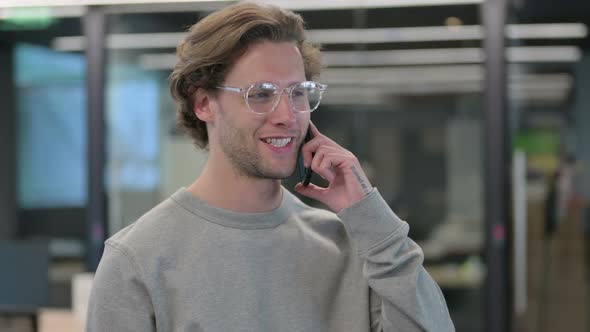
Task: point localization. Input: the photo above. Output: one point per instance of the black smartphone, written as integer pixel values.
(304, 172)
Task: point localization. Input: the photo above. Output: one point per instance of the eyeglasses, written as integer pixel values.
(263, 97)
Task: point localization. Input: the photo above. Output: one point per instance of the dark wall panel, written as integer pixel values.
(8, 197)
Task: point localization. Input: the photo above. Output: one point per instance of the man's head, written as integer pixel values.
(212, 46)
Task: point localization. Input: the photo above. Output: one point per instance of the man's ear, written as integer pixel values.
(203, 105)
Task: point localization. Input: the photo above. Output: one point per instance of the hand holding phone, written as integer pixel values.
(347, 182)
(304, 172)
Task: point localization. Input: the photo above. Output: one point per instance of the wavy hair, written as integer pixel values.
(211, 46)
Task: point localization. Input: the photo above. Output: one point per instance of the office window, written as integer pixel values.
(51, 143)
(133, 126)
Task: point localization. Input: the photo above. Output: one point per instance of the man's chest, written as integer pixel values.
(294, 281)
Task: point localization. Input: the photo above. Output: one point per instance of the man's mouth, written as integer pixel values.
(278, 142)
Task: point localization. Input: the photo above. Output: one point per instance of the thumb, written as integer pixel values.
(311, 191)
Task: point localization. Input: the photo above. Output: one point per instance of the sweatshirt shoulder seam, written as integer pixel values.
(126, 252)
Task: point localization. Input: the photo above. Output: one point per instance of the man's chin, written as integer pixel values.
(278, 174)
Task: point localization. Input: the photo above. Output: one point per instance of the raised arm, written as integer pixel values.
(404, 296)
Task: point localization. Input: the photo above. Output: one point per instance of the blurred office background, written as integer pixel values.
(419, 90)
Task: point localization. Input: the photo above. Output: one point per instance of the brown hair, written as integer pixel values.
(211, 45)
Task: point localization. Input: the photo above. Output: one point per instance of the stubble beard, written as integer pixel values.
(244, 156)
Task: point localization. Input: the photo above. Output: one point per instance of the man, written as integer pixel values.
(235, 251)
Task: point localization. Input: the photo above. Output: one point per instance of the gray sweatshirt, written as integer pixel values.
(189, 266)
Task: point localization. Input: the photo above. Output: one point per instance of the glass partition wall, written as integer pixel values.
(43, 147)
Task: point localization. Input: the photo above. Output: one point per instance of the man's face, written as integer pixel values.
(254, 144)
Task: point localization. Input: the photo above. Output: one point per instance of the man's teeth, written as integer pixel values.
(278, 142)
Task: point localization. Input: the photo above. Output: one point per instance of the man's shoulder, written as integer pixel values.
(318, 218)
(310, 212)
(152, 228)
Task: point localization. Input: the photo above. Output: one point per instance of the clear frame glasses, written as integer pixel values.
(263, 97)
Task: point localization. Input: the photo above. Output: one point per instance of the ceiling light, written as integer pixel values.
(404, 57)
(543, 54)
(54, 3)
(290, 4)
(519, 54)
(446, 33)
(402, 75)
(57, 12)
(344, 36)
(123, 41)
(164, 61)
(546, 31)
(396, 35)
(351, 4)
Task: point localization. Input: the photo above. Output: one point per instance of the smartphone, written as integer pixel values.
(304, 172)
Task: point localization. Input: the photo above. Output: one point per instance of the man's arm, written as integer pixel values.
(403, 295)
(119, 300)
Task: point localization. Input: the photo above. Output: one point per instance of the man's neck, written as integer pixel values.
(228, 190)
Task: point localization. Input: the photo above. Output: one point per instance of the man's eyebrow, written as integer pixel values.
(294, 82)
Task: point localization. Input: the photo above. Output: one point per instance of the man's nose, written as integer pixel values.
(283, 114)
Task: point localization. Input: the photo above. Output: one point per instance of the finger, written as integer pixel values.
(325, 170)
(312, 148)
(314, 130)
(311, 191)
(332, 163)
(316, 161)
(309, 150)
(307, 156)
(318, 155)
(319, 163)
(317, 136)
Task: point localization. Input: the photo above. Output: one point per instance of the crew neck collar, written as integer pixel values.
(259, 220)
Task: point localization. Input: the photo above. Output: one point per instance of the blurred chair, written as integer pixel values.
(24, 283)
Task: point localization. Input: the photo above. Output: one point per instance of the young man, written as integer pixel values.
(235, 251)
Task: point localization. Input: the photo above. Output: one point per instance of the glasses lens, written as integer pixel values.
(306, 96)
(261, 97)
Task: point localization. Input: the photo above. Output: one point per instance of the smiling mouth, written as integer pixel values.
(278, 142)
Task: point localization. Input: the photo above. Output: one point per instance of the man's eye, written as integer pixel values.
(298, 93)
(260, 95)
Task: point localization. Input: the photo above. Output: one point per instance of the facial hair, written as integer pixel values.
(236, 143)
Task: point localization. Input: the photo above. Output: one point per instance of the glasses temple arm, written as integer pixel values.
(229, 88)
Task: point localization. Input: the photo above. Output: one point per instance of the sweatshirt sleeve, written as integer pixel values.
(403, 295)
(119, 300)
